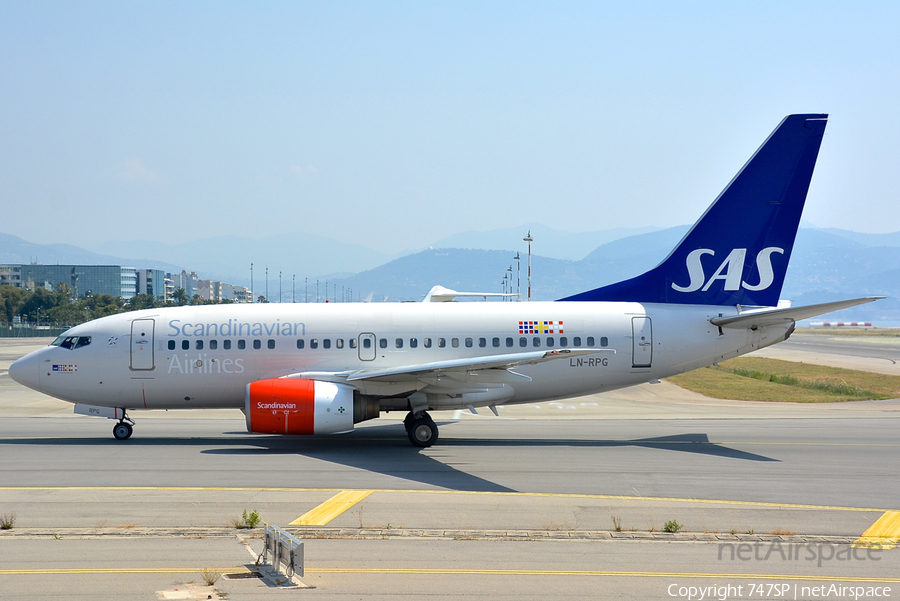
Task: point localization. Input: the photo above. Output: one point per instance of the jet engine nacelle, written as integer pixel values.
(298, 406)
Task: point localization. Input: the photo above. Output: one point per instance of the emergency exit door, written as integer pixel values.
(367, 347)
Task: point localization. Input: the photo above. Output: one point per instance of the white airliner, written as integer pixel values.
(321, 368)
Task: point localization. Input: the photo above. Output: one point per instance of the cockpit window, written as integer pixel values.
(71, 342)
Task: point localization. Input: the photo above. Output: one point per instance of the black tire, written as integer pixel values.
(122, 431)
(423, 432)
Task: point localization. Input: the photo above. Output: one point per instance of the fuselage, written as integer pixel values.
(205, 356)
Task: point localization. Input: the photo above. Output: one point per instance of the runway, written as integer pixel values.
(568, 497)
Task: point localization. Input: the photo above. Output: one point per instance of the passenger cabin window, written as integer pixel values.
(339, 343)
(314, 343)
(185, 345)
(495, 342)
(352, 342)
(326, 343)
(469, 342)
(382, 342)
(442, 342)
(413, 343)
(523, 342)
(242, 344)
(482, 342)
(576, 341)
(198, 345)
(604, 341)
(213, 345)
(536, 341)
(270, 344)
(426, 343)
(171, 345)
(550, 341)
(367, 343)
(226, 344)
(454, 342)
(563, 341)
(257, 345)
(300, 343)
(398, 343)
(509, 341)
(590, 341)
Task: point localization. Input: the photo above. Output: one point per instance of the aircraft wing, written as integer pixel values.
(486, 369)
(759, 318)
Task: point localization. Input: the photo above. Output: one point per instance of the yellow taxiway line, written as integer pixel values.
(331, 508)
(883, 534)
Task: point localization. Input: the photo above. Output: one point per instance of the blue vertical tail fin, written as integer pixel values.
(738, 251)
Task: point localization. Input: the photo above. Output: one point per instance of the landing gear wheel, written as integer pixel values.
(122, 431)
(408, 420)
(422, 431)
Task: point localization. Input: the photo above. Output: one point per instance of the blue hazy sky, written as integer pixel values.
(396, 124)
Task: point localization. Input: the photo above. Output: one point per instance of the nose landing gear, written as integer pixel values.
(123, 429)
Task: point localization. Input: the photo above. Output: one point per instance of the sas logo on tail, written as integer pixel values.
(730, 271)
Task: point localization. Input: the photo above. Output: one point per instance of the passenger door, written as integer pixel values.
(142, 344)
(642, 331)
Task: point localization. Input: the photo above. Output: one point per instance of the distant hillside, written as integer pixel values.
(228, 258)
(556, 244)
(826, 265)
(15, 250)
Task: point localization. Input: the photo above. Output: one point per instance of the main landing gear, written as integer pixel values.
(421, 429)
(123, 429)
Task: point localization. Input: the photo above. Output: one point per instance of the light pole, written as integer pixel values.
(293, 288)
(251, 282)
(279, 288)
(529, 239)
(518, 260)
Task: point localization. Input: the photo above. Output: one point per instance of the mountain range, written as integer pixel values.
(827, 264)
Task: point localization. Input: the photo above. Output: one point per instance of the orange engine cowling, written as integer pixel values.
(297, 406)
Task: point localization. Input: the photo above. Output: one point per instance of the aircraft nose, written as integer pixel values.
(26, 371)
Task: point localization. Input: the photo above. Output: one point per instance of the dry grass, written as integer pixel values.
(850, 331)
(780, 532)
(210, 577)
(762, 379)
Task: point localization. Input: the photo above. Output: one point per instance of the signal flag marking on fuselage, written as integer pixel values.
(330, 509)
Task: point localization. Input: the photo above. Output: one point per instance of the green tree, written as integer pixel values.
(141, 301)
(11, 301)
(180, 297)
(39, 302)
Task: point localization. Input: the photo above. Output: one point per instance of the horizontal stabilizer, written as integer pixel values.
(439, 294)
(768, 317)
